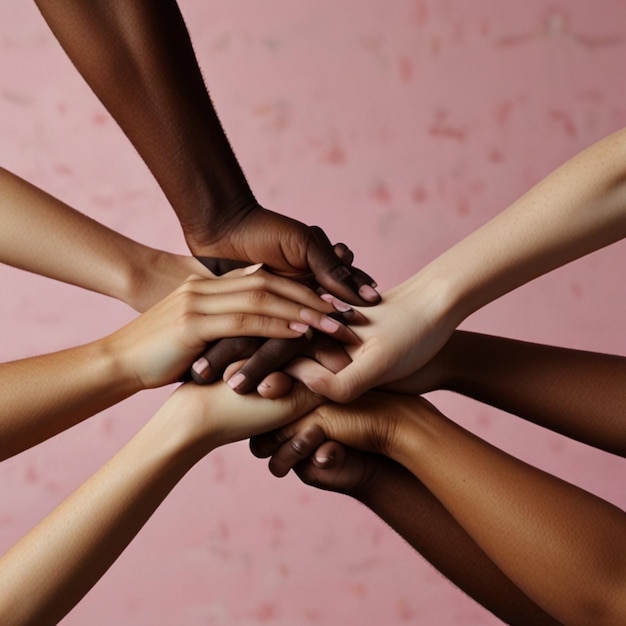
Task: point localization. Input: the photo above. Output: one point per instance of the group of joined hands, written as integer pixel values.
(321, 372)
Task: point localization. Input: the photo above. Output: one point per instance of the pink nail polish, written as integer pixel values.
(299, 327)
(200, 366)
(329, 325)
(340, 306)
(368, 293)
(236, 380)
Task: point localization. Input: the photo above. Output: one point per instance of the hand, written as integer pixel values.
(331, 466)
(404, 332)
(288, 248)
(158, 347)
(212, 416)
(267, 356)
(372, 424)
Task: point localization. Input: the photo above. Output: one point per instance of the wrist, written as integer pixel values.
(433, 297)
(182, 425)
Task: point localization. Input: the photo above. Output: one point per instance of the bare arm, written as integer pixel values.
(577, 393)
(138, 58)
(560, 545)
(43, 235)
(44, 395)
(50, 569)
(577, 209)
(401, 500)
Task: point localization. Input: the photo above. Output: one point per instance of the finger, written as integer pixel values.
(212, 363)
(220, 266)
(255, 279)
(273, 355)
(328, 353)
(276, 354)
(299, 447)
(330, 454)
(275, 385)
(344, 253)
(340, 279)
(265, 444)
(347, 313)
(344, 386)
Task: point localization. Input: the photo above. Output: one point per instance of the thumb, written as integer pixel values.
(336, 276)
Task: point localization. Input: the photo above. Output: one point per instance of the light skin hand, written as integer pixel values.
(59, 561)
(397, 340)
(158, 347)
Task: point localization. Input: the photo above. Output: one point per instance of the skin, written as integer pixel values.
(577, 209)
(155, 349)
(68, 552)
(558, 545)
(36, 227)
(138, 59)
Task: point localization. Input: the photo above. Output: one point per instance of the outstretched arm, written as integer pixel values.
(576, 393)
(401, 500)
(138, 58)
(43, 235)
(560, 545)
(44, 395)
(49, 570)
(577, 209)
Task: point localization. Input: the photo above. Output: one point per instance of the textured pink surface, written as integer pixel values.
(397, 126)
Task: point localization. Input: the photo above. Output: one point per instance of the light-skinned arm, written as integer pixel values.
(577, 209)
(45, 236)
(561, 546)
(139, 60)
(44, 395)
(52, 567)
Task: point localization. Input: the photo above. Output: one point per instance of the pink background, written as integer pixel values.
(399, 127)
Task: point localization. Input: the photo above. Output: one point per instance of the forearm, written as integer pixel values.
(577, 393)
(577, 209)
(138, 59)
(43, 235)
(50, 569)
(44, 395)
(560, 545)
(402, 501)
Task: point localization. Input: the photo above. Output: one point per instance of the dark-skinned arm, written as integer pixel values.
(138, 59)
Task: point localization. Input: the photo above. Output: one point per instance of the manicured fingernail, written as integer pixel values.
(299, 327)
(201, 366)
(251, 269)
(368, 293)
(340, 306)
(236, 380)
(324, 460)
(329, 325)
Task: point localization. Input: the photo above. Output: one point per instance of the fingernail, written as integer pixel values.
(200, 366)
(324, 460)
(236, 380)
(368, 293)
(299, 327)
(340, 306)
(251, 269)
(329, 325)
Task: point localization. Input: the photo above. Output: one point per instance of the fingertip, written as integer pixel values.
(369, 294)
(276, 385)
(201, 371)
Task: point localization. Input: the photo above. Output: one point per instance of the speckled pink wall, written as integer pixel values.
(399, 127)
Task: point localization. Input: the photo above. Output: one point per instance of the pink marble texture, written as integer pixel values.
(397, 126)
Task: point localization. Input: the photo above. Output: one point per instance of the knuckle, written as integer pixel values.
(258, 298)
